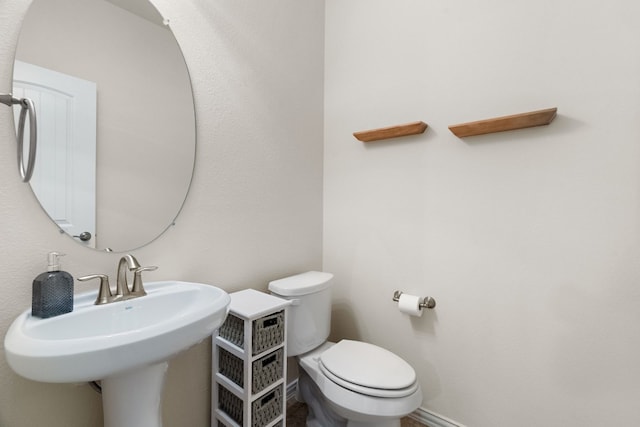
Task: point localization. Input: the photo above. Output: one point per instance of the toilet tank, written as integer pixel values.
(310, 312)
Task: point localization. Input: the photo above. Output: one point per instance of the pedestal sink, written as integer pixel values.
(126, 344)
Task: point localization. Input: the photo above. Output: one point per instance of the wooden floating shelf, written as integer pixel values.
(501, 124)
(412, 128)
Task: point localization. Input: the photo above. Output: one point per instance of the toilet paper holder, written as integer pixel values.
(426, 302)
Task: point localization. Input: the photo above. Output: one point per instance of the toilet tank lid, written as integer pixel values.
(301, 284)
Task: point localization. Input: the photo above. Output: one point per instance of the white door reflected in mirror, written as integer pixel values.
(64, 180)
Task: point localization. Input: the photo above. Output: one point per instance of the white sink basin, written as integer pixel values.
(98, 341)
(125, 344)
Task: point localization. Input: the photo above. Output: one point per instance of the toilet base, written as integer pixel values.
(321, 414)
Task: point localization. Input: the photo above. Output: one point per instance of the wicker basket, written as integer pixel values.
(231, 367)
(263, 410)
(264, 371)
(232, 330)
(268, 332)
(230, 404)
(267, 370)
(267, 408)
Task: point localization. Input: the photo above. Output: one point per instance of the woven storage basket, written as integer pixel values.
(267, 408)
(232, 330)
(268, 332)
(267, 370)
(231, 367)
(263, 411)
(264, 371)
(230, 404)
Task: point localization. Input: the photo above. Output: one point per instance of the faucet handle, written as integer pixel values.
(104, 294)
(137, 288)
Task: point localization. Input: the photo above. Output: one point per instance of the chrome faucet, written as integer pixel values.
(122, 287)
(104, 294)
(137, 290)
(127, 262)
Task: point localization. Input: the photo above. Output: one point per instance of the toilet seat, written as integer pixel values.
(351, 404)
(368, 369)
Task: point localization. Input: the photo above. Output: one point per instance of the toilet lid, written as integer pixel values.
(367, 366)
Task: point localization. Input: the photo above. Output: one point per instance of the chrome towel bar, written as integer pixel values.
(27, 108)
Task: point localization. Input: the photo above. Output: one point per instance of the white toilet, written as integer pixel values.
(349, 383)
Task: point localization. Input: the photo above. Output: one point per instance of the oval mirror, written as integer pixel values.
(116, 123)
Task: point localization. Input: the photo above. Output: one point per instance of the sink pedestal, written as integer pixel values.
(133, 398)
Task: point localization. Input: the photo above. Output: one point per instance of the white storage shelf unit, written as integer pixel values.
(250, 362)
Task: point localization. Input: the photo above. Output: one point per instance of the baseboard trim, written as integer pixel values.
(421, 415)
(432, 419)
(292, 388)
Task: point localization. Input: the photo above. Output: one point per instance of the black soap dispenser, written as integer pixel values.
(52, 291)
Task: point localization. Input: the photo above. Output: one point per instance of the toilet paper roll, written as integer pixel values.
(410, 304)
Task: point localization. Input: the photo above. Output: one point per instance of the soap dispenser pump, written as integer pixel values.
(52, 290)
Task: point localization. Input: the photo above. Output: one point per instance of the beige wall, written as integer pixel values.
(528, 240)
(254, 212)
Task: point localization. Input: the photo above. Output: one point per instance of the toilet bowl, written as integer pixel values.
(345, 384)
(381, 404)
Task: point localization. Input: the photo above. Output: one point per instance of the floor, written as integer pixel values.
(297, 413)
